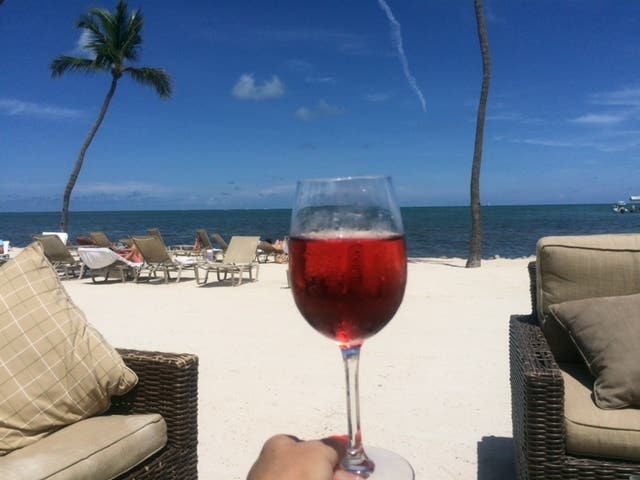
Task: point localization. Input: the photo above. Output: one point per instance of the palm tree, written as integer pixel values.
(114, 42)
(475, 249)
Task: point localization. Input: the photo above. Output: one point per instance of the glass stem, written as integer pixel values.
(355, 460)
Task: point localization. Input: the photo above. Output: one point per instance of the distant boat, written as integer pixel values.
(624, 207)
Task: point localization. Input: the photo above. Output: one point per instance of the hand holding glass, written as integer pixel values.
(348, 264)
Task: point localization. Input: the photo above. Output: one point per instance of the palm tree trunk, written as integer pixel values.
(85, 146)
(475, 249)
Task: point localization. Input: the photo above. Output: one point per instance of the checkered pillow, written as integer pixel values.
(55, 368)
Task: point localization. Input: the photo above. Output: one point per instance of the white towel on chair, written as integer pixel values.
(100, 257)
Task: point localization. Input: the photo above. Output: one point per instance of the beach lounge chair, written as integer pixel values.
(202, 240)
(101, 239)
(184, 250)
(220, 241)
(104, 261)
(64, 236)
(266, 250)
(59, 255)
(584, 296)
(155, 232)
(239, 258)
(157, 257)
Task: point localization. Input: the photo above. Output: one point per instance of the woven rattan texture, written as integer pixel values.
(168, 385)
(537, 409)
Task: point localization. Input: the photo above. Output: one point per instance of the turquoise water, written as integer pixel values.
(508, 231)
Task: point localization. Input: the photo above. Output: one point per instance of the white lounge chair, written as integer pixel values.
(239, 258)
(103, 261)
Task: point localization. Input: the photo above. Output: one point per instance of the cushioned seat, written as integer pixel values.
(574, 365)
(593, 431)
(62, 385)
(577, 267)
(98, 448)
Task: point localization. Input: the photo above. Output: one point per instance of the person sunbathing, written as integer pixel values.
(132, 254)
(282, 246)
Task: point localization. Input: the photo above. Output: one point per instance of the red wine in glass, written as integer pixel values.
(348, 266)
(348, 288)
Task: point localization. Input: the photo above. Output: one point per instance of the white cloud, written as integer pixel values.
(247, 89)
(120, 188)
(602, 144)
(396, 39)
(81, 44)
(286, 189)
(326, 80)
(303, 113)
(628, 97)
(13, 107)
(322, 109)
(377, 97)
(346, 42)
(548, 142)
(599, 119)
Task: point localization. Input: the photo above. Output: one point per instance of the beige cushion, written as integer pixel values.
(98, 448)
(592, 431)
(55, 368)
(572, 268)
(606, 331)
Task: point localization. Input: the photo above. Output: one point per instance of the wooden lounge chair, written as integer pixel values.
(59, 255)
(156, 257)
(240, 258)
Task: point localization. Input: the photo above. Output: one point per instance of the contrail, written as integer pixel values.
(396, 38)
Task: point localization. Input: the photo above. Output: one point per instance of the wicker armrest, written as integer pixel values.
(168, 385)
(537, 398)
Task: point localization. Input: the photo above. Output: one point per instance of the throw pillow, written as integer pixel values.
(606, 331)
(55, 368)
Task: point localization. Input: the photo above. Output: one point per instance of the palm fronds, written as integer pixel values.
(152, 77)
(114, 41)
(65, 64)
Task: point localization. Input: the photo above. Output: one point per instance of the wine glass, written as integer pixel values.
(348, 264)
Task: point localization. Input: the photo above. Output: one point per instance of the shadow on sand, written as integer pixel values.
(496, 459)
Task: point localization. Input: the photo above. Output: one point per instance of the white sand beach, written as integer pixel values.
(434, 382)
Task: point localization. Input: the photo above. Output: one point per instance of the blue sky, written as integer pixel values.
(267, 92)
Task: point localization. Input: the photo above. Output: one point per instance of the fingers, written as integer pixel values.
(279, 443)
(338, 443)
(344, 475)
(286, 457)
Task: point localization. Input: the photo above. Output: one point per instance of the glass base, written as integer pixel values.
(388, 465)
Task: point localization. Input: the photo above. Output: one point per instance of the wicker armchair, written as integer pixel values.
(168, 385)
(537, 408)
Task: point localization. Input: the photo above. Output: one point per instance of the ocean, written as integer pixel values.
(508, 231)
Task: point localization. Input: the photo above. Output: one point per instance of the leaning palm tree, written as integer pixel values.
(114, 42)
(475, 248)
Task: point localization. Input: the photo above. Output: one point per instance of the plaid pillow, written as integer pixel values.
(55, 368)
